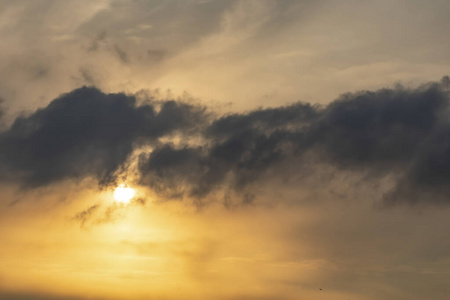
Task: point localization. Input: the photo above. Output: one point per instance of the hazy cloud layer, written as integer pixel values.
(268, 52)
(230, 105)
(87, 133)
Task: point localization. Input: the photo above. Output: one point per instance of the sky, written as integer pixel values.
(277, 149)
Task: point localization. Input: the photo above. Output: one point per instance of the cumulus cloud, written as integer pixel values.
(87, 133)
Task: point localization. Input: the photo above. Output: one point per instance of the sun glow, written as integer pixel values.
(124, 194)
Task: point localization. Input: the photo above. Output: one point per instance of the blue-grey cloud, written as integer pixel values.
(381, 132)
(87, 133)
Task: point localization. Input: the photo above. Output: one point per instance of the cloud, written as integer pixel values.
(240, 148)
(381, 132)
(121, 54)
(99, 214)
(87, 133)
(86, 214)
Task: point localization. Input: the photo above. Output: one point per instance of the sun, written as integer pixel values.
(124, 194)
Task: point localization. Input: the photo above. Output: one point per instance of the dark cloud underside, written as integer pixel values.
(87, 133)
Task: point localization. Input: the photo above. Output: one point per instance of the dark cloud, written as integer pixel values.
(241, 147)
(381, 132)
(86, 214)
(123, 56)
(86, 133)
(383, 126)
(98, 214)
(89, 133)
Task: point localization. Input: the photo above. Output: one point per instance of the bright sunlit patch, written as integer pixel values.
(123, 194)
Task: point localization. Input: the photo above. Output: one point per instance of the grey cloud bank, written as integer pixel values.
(87, 133)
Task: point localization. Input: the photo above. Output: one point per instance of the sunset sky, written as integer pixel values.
(224, 149)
